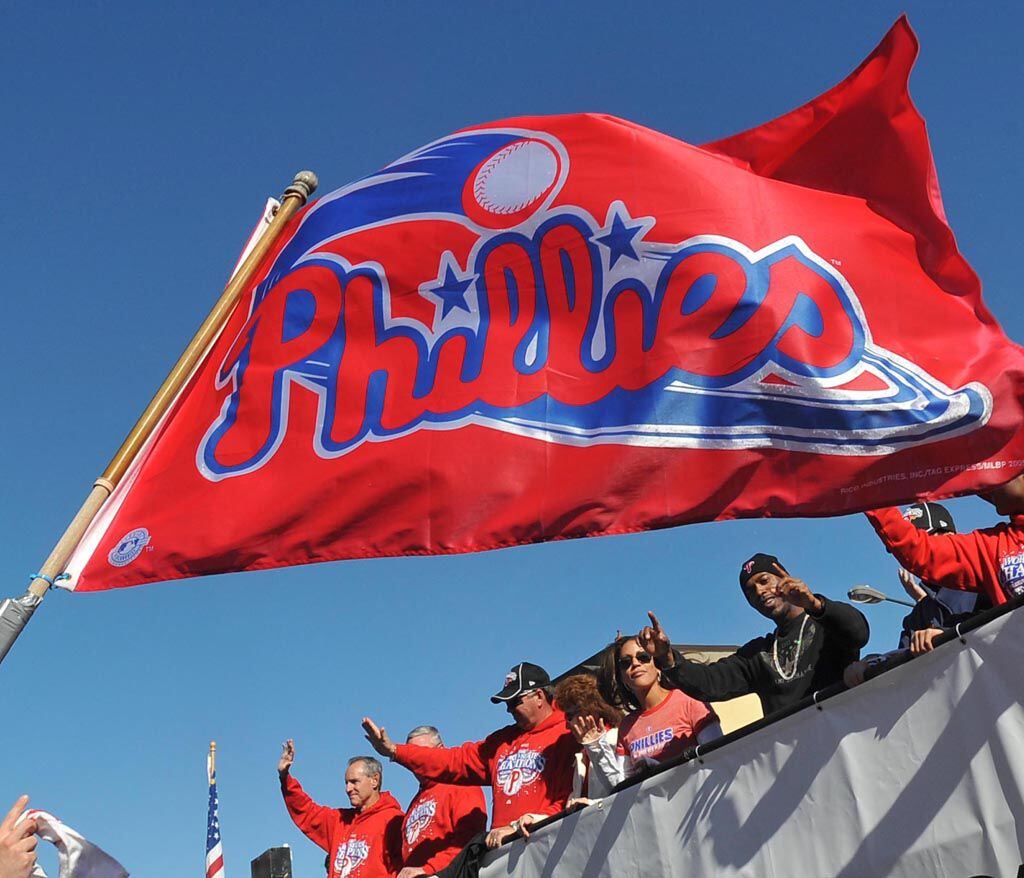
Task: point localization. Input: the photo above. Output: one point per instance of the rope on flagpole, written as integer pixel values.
(16, 612)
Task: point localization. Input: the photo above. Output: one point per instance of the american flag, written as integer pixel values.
(214, 851)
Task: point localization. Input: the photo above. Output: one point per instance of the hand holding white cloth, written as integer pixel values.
(76, 857)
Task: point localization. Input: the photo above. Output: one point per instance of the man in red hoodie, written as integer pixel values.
(364, 841)
(441, 818)
(990, 560)
(529, 764)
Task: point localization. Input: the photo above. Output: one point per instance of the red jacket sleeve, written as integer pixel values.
(468, 764)
(314, 820)
(467, 816)
(949, 560)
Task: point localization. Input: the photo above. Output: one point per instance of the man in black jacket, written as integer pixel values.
(813, 641)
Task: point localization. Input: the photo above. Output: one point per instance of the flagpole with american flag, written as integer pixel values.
(214, 851)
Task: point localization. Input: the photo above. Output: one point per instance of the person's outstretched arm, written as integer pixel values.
(845, 624)
(730, 677)
(950, 560)
(468, 764)
(311, 818)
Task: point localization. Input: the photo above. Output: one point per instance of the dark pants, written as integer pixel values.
(467, 863)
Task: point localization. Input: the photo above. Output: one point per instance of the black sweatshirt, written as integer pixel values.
(811, 662)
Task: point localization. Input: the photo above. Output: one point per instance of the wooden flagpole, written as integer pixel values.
(211, 763)
(15, 612)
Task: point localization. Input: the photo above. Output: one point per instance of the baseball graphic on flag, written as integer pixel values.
(509, 185)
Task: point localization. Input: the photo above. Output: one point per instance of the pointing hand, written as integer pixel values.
(795, 591)
(654, 639)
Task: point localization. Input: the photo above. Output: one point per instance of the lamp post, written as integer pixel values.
(865, 594)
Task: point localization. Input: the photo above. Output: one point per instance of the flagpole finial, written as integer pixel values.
(303, 185)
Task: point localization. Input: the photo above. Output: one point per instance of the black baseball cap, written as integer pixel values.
(524, 677)
(931, 518)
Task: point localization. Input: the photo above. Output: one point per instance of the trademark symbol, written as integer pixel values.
(836, 261)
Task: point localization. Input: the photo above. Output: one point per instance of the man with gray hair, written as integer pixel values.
(441, 819)
(364, 840)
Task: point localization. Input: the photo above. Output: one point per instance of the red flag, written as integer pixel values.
(554, 327)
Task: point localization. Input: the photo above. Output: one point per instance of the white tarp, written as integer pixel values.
(917, 773)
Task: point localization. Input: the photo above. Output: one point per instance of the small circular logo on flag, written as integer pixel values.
(129, 547)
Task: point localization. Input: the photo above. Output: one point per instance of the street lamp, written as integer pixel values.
(865, 594)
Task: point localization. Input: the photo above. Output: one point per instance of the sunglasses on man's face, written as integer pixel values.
(642, 657)
(515, 702)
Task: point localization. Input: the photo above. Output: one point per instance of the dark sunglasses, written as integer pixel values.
(626, 661)
(515, 702)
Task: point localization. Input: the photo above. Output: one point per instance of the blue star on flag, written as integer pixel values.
(451, 286)
(621, 233)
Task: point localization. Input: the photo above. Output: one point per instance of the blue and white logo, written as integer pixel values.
(129, 547)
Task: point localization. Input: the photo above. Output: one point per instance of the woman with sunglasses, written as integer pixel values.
(662, 722)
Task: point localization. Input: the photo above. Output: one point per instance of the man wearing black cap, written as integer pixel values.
(937, 608)
(814, 640)
(529, 764)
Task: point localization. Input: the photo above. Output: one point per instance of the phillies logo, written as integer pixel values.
(518, 770)
(350, 856)
(418, 819)
(449, 289)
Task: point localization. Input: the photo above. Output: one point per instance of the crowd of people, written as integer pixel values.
(574, 742)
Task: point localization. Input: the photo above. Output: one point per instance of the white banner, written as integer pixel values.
(916, 774)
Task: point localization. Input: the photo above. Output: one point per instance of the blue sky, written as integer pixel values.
(140, 143)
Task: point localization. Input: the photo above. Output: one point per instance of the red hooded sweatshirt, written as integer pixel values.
(359, 844)
(990, 560)
(531, 772)
(440, 821)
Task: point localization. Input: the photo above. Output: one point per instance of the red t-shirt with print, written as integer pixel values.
(664, 731)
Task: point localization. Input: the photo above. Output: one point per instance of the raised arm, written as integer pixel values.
(948, 560)
(845, 624)
(468, 764)
(730, 677)
(311, 818)
(605, 759)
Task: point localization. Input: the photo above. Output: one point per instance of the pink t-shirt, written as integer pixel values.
(663, 732)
